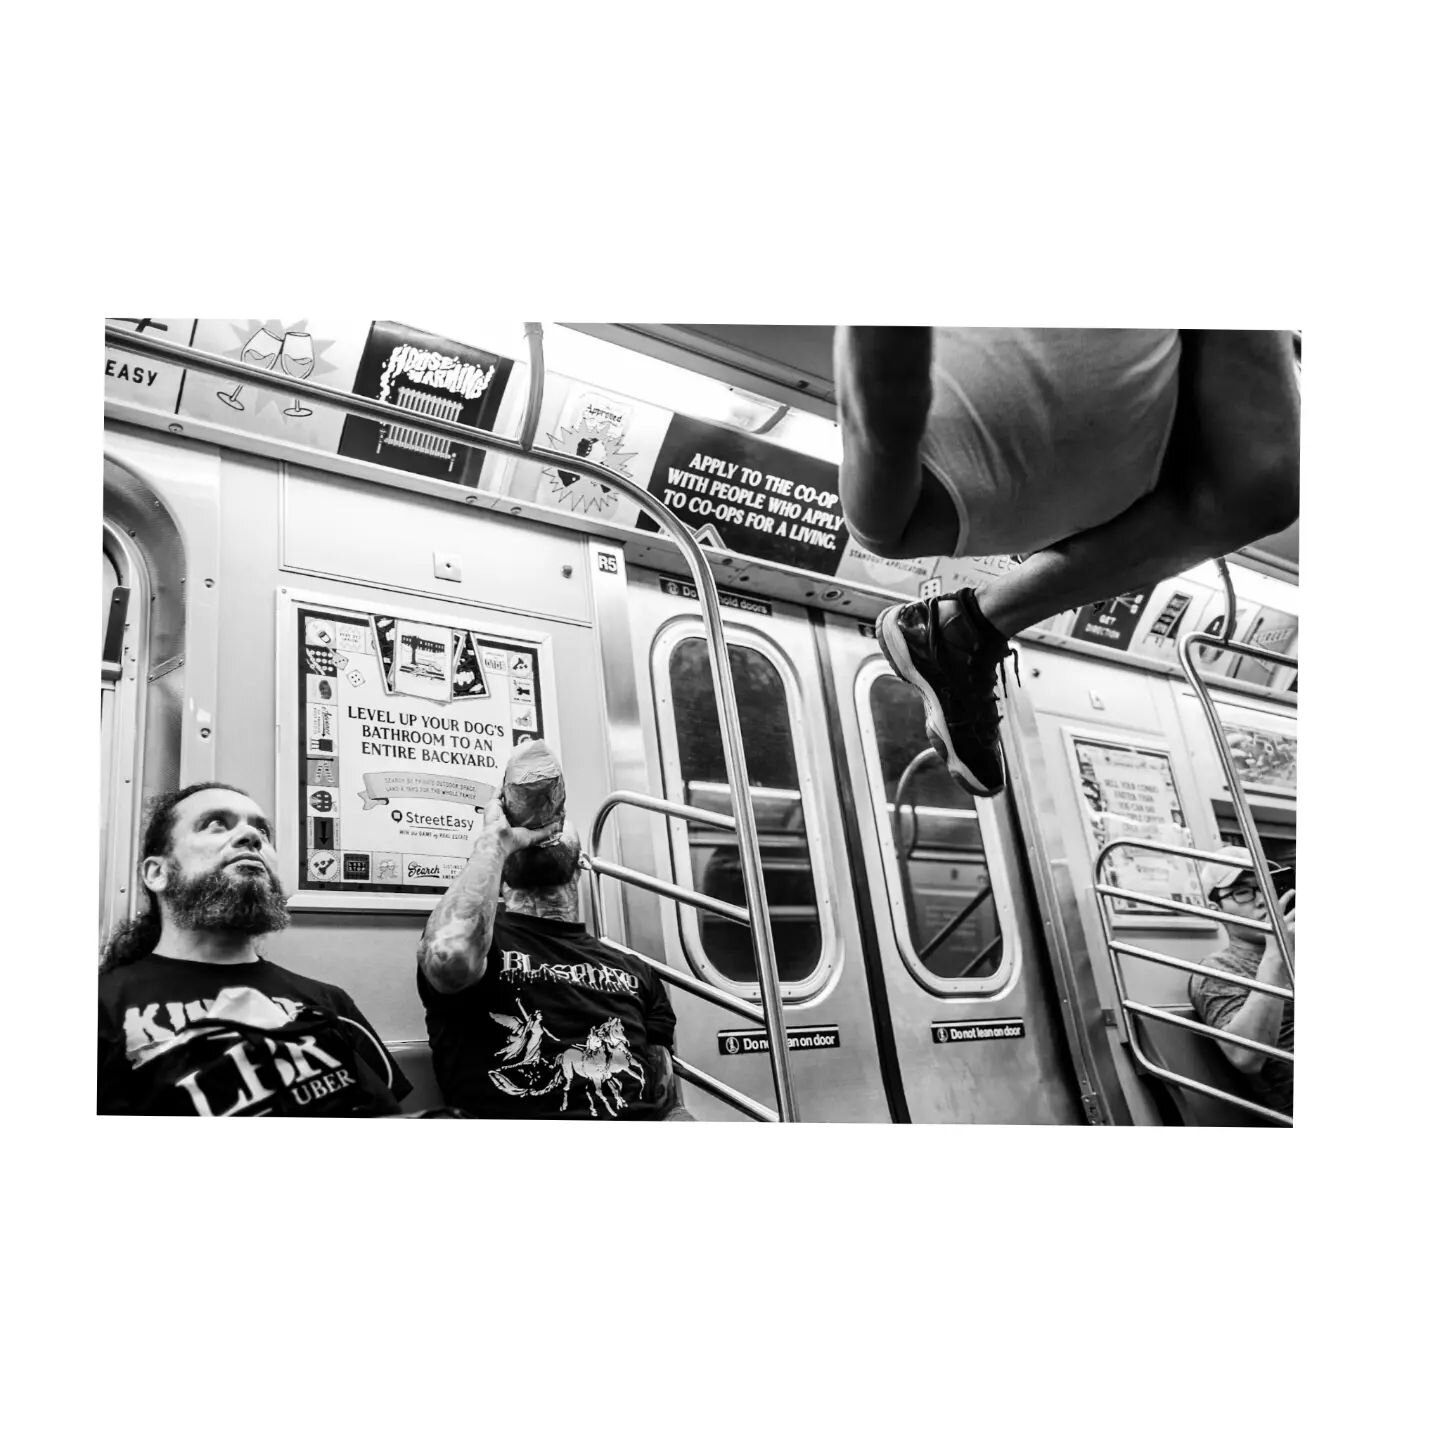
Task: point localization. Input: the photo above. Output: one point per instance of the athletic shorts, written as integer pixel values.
(1040, 434)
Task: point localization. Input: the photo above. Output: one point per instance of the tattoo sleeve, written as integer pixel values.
(457, 935)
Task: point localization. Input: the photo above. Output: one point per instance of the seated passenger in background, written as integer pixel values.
(529, 1016)
(1112, 459)
(192, 1020)
(1233, 890)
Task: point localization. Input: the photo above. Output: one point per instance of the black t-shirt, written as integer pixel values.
(183, 1037)
(557, 1029)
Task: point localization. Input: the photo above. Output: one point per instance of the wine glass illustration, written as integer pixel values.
(262, 349)
(297, 359)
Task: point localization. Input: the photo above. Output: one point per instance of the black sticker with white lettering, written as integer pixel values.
(757, 1042)
(684, 590)
(949, 1032)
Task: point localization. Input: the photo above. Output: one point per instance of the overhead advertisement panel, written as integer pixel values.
(428, 375)
(755, 498)
(755, 495)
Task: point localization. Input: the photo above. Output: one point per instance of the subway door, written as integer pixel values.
(976, 1034)
(666, 680)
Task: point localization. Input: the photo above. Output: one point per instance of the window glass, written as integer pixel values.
(954, 925)
(769, 743)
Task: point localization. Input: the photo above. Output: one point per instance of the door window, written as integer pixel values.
(947, 919)
(768, 727)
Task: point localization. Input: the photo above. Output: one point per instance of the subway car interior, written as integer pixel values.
(350, 565)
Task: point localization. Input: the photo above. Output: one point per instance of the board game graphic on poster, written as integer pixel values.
(1127, 792)
(403, 729)
(436, 379)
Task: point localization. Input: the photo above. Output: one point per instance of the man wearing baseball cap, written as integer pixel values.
(1231, 887)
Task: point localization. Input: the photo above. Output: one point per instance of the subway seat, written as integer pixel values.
(415, 1059)
(1199, 1058)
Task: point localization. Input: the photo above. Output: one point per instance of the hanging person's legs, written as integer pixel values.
(1230, 476)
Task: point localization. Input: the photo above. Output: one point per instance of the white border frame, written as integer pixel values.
(287, 735)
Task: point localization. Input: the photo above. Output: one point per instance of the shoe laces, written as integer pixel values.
(983, 717)
(1014, 655)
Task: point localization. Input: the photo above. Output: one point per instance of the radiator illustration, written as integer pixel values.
(406, 437)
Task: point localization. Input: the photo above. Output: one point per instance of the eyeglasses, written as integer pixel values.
(1241, 894)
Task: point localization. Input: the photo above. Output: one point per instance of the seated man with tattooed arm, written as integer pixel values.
(529, 1016)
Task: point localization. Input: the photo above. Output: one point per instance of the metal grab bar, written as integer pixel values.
(686, 981)
(529, 422)
(1232, 776)
(1200, 1088)
(736, 771)
(700, 901)
(1115, 948)
(1213, 1031)
(1180, 907)
(1175, 963)
(597, 867)
(661, 807)
(721, 1091)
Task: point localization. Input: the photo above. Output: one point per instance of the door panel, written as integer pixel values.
(836, 1075)
(977, 1039)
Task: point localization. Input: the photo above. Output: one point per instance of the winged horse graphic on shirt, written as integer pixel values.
(602, 1059)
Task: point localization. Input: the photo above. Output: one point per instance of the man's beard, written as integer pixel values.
(540, 867)
(240, 900)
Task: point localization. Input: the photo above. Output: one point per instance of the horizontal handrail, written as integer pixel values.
(1182, 907)
(597, 867)
(1140, 953)
(695, 986)
(1161, 847)
(1186, 1083)
(1198, 640)
(721, 1091)
(1214, 1032)
(723, 908)
(753, 1013)
(659, 806)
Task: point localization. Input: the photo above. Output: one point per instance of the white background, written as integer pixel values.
(1236, 165)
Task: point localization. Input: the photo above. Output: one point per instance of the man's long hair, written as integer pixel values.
(133, 940)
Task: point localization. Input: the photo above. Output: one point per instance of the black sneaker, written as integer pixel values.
(948, 651)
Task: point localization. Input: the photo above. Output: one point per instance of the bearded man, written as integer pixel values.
(193, 1021)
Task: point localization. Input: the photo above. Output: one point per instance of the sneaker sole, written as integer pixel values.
(897, 652)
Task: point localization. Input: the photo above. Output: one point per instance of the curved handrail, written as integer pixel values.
(736, 770)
